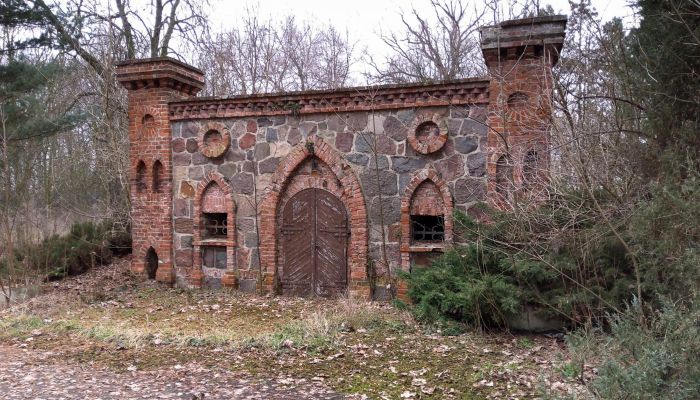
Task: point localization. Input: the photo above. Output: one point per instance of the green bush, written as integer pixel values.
(85, 246)
(656, 359)
(465, 285)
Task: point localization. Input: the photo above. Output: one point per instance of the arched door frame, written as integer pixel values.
(351, 197)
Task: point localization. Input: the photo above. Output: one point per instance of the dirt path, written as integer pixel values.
(32, 374)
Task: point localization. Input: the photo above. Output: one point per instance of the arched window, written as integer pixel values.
(157, 175)
(504, 177)
(140, 177)
(530, 166)
(215, 228)
(214, 212)
(426, 218)
(427, 214)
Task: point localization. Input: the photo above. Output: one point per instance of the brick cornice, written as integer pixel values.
(524, 38)
(457, 92)
(160, 72)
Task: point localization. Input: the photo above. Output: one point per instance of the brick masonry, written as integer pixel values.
(387, 152)
(152, 84)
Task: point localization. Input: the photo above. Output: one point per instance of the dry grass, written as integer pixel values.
(109, 305)
(108, 317)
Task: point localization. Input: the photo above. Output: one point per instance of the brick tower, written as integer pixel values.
(151, 84)
(520, 55)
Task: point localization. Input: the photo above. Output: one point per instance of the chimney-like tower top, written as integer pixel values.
(160, 72)
(509, 39)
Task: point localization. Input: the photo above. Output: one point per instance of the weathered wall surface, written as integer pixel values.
(223, 190)
(258, 145)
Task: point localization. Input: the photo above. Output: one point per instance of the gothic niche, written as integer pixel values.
(140, 177)
(518, 110)
(157, 176)
(530, 167)
(517, 100)
(504, 178)
(214, 229)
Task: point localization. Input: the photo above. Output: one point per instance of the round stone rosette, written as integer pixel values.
(214, 139)
(428, 133)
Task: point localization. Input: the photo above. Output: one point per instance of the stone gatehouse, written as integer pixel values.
(303, 193)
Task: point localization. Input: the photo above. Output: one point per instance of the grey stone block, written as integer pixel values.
(227, 169)
(262, 151)
(469, 189)
(358, 158)
(407, 164)
(269, 165)
(476, 163)
(466, 145)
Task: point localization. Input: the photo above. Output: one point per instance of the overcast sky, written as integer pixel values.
(365, 19)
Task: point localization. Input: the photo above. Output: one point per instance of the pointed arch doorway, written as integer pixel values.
(314, 245)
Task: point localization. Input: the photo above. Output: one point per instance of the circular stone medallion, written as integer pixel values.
(428, 133)
(213, 139)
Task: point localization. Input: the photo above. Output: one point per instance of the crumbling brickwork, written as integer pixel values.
(380, 166)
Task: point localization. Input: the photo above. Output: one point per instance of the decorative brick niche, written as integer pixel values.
(504, 181)
(140, 179)
(426, 216)
(157, 176)
(214, 232)
(531, 167)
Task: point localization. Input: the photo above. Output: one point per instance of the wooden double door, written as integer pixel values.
(314, 238)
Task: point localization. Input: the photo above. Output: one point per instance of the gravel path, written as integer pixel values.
(33, 374)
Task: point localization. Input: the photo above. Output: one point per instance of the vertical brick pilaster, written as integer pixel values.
(151, 84)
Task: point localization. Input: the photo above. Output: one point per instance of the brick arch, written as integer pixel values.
(140, 176)
(211, 179)
(151, 255)
(530, 166)
(420, 177)
(352, 198)
(157, 176)
(140, 259)
(504, 179)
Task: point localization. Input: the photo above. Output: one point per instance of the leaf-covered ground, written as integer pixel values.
(112, 322)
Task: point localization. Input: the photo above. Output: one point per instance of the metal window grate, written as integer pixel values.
(427, 228)
(215, 225)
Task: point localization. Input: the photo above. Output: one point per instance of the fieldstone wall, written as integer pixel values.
(374, 146)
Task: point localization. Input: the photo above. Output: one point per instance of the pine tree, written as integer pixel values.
(24, 121)
(665, 60)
